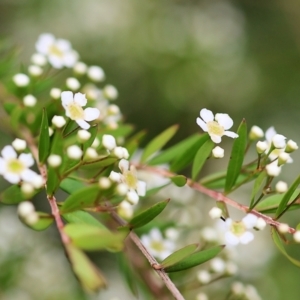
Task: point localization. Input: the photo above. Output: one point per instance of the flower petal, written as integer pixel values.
(202, 124)
(247, 237)
(12, 178)
(80, 99)
(124, 165)
(26, 159)
(141, 188)
(269, 134)
(91, 114)
(224, 120)
(231, 134)
(8, 152)
(215, 138)
(83, 124)
(2, 166)
(28, 175)
(250, 220)
(66, 98)
(206, 115)
(231, 239)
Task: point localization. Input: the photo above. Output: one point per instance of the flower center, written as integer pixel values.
(238, 228)
(15, 166)
(55, 51)
(130, 179)
(157, 245)
(76, 112)
(215, 128)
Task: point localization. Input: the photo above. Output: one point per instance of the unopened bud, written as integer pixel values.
(255, 133)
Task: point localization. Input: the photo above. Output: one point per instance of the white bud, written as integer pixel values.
(125, 210)
(108, 141)
(54, 160)
(104, 183)
(90, 153)
(29, 100)
(278, 141)
(35, 71)
(72, 83)
(215, 213)
(217, 265)
(39, 59)
(80, 68)
(237, 288)
(113, 109)
(96, 73)
(50, 130)
(27, 189)
(38, 181)
(74, 152)
(121, 189)
(273, 170)
(203, 276)
(283, 158)
(281, 187)
(25, 208)
(132, 197)
(121, 152)
(296, 236)
(218, 152)
(283, 228)
(112, 125)
(172, 234)
(261, 147)
(83, 135)
(116, 177)
(260, 224)
(201, 296)
(255, 133)
(31, 219)
(55, 93)
(291, 146)
(96, 143)
(58, 121)
(231, 268)
(110, 92)
(21, 80)
(209, 234)
(19, 144)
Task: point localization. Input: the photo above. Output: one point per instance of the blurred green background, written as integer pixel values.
(169, 59)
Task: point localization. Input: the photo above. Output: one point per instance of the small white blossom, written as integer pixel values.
(95, 73)
(73, 107)
(261, 147)
(35, 71)
(291, 146)
(237, 230)
(281, 187)
(58, 121)
(59, 52)
(83, 135)
(255, 133)
(218, 152)
(29, 100)
(19, 144)
(122, 188)
(14, 168)
(215, 213)
(54, 160)
(80, 68)
(204, 276)
(273, 169)
(104, 183)
(283, 228)
(21, 80)
(109, 142)
(74, 152)
(72, 83)
(260, 224)
(110, 92)
(216, 126)
(39, 59)
(278, 141)
(156, 245)
(296, 236)
(55, 93)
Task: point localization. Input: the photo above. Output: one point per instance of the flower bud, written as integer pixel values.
(55, 93)
(72, 83)
(283, 158)
(108, 141)
(291, 146)
(110, 92)
(39, 59)
(54, 160)
(204, 276)
(261, 147)
(29, 100)
(273, 170)
(74, 152)
(260, 224)
(296, 236)
(278, 141)
(104, 183)
(218, 152)
(80, 68)
(96, 73)
(58, 121)
(283, 228)
(19, 144)
(21, 80)
(90, 153)
(255, 133)
(281, 187)
(215, 213)
(83, 135)
(125, 210)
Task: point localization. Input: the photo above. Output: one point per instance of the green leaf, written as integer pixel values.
(93, 130)
(85, 197)
(287, 197)
(44, 140)
(179, 180)
(82, 217)
(70, 185)
(15, 117)
(171, 153)
(186, 157)
(155, 190)
(222, 205)
(158, 142)
(237, 157)
(148, 215)
(52, 181)
(201, 157)
(195, 259)
(278, 242)
(258, 184)
(89, 276)
(89, 237)
(12, 195)
(179, 255)
(45, 220)
(132, 144)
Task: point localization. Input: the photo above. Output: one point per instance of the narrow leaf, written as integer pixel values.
(44, 221)
(52, 181)
(278, 242)
(158, 142)
(148, 215)
(258, 183)
(70, 185)
(179, 180)
(201, 157)
(287, 196)
(93, 131)
(88, 275)
(179, 255)
(14, 195)
(44, 140)
(237, 157)
(195, 259)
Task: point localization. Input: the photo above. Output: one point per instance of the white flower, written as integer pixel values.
(29, 100)
(13, 168)
(218, 152)
(21, 80)
(156, 245)
(96, 73)
(216, 126)
(128, 177)
(255, 133)
(237, 230)
(73, 107)
(58, 51)
(19, 144)
(278, 141)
